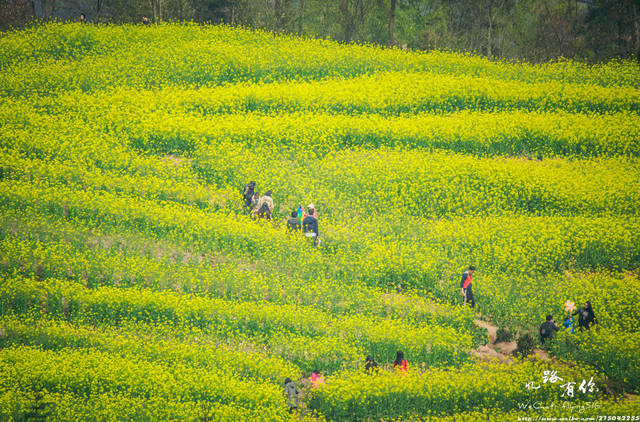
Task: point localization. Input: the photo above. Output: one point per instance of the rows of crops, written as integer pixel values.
(134, 287)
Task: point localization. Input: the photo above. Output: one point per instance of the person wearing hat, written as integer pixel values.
(311, 210)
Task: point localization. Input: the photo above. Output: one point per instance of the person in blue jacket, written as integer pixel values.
(568, 323)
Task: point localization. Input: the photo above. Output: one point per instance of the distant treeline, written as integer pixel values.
(535, 30)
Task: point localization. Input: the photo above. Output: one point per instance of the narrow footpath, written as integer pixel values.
(503, 351)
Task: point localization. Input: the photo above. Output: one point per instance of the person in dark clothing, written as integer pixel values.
(466, 286)
(586, 316)
(370, 365)
(310, 228)
(293, 224)
(547, 329)
(247, 193)
(400, 363)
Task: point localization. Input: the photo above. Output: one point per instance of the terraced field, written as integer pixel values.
(134, 287)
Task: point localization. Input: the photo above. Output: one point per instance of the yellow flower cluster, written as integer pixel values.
(134, 286)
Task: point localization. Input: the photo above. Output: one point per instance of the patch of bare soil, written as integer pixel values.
(176, 160)
(503, 351)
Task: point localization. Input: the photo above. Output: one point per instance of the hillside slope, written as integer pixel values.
(135, 286)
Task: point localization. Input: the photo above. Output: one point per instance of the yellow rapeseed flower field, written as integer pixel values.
(135, 286)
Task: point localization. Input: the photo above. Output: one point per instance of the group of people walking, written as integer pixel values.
(292, 392)
(586, 319)
(260, 207)
(586, 315)
(306, 222)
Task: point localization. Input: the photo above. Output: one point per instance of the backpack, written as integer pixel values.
(264, 210)
(248, 191)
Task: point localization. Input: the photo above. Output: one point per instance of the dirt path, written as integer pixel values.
(502, 351)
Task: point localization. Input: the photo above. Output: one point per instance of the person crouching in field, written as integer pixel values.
(264, 207)
(316, 379)
(466, 286)
(547, 329)
(568, 323)
(370, 365)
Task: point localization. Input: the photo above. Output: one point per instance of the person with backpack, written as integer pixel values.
(254, 200)
(400, 363)
(547, 329)
(291, 392)
(466, 286)
(586, 316)
(293, 224)
(264, 207)
(310, 228)
(370, 365)
(247, 194)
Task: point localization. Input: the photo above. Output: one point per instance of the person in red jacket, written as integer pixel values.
(400, 364)
(466, 285)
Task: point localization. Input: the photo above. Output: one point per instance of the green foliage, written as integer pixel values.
(503, 335)
(525, 344)
(436, 393)
(129, 273)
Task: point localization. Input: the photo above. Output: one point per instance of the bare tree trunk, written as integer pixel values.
(100, 6)
(392, 19)
(47, 9)
(301, 5)
(324, 19)
(348, 21)
(152, 3)
(278, 15)
(636, 28)
(156, 10)
(489, 40)
(276, 6)
(43, 9)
